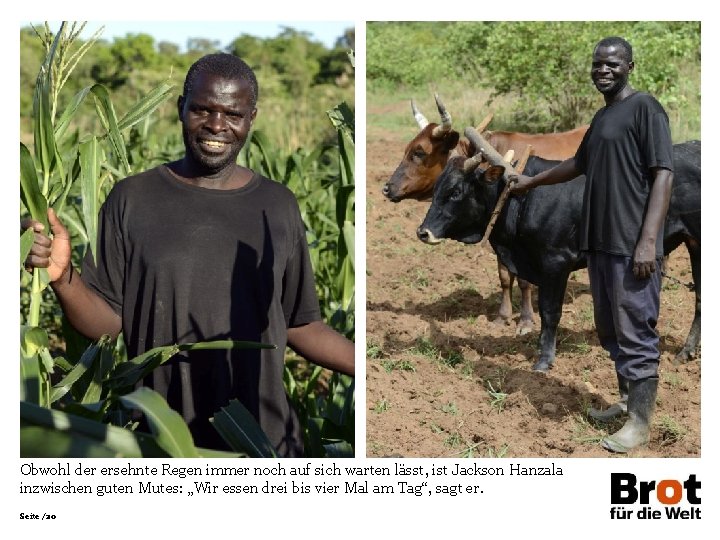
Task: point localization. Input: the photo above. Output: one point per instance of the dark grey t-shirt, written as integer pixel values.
(183, 264)
(624, 141)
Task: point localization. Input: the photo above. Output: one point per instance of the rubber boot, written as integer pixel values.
(616, 409)
(641, 404)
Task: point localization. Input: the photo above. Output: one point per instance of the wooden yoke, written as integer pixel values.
(482, 126)
(492, 156)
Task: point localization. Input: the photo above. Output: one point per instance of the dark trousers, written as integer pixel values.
(626, 313)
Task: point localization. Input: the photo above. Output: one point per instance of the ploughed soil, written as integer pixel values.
(444, 380)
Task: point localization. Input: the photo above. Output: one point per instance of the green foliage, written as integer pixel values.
(239, 429)
(541, 68)
(405, 53)
(299, 78)
(547, 64)
(326, 409)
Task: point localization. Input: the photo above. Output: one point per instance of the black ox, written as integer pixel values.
(536, 235)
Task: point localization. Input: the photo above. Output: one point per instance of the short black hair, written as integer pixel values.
(225, 65)
(615, 41)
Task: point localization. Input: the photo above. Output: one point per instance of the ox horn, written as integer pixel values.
(445, 119)
(472, 163)
(419, 117)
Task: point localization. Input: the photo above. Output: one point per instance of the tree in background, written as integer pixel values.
(542, 67)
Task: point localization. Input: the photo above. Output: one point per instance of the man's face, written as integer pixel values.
(610, 69)
(216, 116)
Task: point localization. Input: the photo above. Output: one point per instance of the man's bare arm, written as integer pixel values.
(562, 172)
(644, 257)
(320, 344)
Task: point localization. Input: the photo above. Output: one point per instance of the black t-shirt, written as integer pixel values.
(624, 141)
(182, 264)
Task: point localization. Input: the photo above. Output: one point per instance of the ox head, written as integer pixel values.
(463, 201)
(424, 159)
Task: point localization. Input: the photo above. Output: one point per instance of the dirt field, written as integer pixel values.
(444, 381)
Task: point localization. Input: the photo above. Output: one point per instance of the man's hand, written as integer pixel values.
(519, 184)
(644, 260)
(46, 253)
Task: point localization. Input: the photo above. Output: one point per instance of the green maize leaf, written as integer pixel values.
(43, 442)
(30, 378)
(313, 380)
(170, 430)
(84, 364)
(343, 119)
(289, 382)
(120, 349)
(56, 191)
(32, 339)
(346, 150)
(241, 431)
(349, 237)
(100, 371)
(90, 158)
(71, 221)
(123, 442)
(62, 124)
(268, 163)
(313, 436)
(345, 283)
(324, 219)
(128, 373)
(44, 136)
(340, 406)
(338, 449)
(62, 363)
(210, 453)
(146, 105)
(58, 202)
(26, 241)
(344, 205)
(30, 192)
(106, 112)
(43, 278)
(348, 407)
(92, 411)
(295, 165)
(47, 360)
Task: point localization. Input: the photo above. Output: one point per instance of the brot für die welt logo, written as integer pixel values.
(638, 499)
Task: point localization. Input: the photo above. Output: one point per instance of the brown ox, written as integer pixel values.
(426, 155)
(558, 146)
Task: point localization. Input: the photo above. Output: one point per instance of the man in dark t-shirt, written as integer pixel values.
(626, 156)
(202, 249)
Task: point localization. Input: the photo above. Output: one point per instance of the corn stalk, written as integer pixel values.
(45, 180)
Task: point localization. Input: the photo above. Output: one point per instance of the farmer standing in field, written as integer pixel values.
(202, 249)
(626, 156)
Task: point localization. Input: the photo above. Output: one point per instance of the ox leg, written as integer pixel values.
(504, 315)
(692, 342)
(550, 299)
(526, 323)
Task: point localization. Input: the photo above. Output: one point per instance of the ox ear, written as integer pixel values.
(494, 173)
(450, 141)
